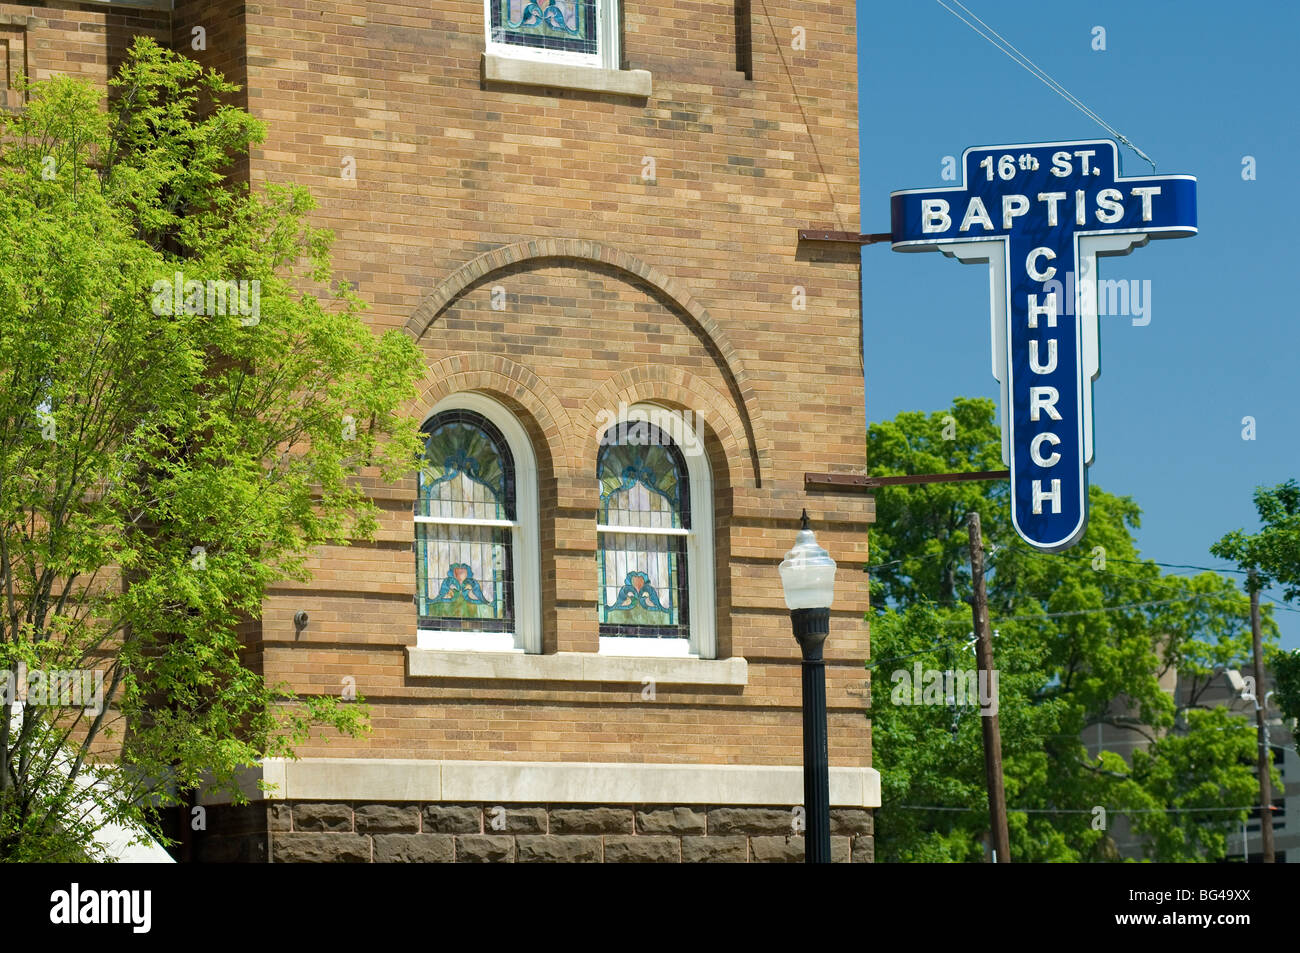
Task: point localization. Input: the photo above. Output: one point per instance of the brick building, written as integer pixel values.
(586, 213)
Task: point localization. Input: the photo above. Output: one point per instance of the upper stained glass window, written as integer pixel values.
(564, 25)
(645, 521)
(465, 521)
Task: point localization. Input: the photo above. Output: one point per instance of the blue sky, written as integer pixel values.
(1198, 87)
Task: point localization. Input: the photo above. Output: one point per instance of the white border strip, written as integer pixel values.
(571, 782)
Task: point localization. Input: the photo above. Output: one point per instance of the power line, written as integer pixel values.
(1152, 562)
(1131, 562)
(1005, 46)
(871, 567)
(1109, 559)
(1197, 597)
(934, 648)
(1188, 598)
(1070, 810)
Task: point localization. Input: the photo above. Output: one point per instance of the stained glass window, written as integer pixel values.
(465, 523)
(565, 25)
(645, 522)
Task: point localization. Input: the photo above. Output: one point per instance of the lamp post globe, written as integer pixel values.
(807, 572)
(808, 580)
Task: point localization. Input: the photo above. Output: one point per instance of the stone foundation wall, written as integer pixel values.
(356, 832)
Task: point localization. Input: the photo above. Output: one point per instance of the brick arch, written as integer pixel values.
(662, 383)
(741, 387)
(501, 376)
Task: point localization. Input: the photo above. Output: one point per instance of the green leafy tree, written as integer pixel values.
(1273, 554)
(1083, 640)
(170, 444)
(1286, 669)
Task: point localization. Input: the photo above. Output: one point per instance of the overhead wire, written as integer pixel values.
(1070, 810)
(1019, 58)
(1135, 562)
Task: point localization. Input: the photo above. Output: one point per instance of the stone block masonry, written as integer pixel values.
(354, 832)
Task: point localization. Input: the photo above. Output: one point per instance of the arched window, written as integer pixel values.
(475, 530)
(654, 555)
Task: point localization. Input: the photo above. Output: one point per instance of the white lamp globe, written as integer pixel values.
(807, 572)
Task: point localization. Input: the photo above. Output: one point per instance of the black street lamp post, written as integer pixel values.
(808, 579)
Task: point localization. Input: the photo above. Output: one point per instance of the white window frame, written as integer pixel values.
(701, 593)
(527, 582)
(607, 54)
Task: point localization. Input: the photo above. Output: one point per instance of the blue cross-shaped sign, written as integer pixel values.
(1040, 214)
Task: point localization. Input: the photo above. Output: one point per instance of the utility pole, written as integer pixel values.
(989, 720)
(861, 483)
(1265, 782)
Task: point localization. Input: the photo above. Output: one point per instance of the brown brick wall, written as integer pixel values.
(677, 290)
(73, 38)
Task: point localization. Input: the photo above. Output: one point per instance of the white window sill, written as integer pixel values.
(531, 72)
(576, 667)
(640, 647)
(466, 641)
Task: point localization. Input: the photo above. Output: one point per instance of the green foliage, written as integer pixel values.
(1187, 771)
(1286, 668)
(1274, 554)
(1067, 671)
(160, 467)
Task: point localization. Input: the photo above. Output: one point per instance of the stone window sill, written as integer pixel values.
(526, 72)
(576, 667)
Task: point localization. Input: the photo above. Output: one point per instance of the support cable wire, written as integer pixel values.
(1025, 62)
(835, 207)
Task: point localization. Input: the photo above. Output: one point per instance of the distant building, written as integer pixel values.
(1219, 693)
(1286, 803)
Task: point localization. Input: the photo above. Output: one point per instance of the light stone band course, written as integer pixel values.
(400, 780)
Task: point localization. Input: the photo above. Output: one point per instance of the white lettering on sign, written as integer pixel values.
(1013, 206)
(1051, 199)
(1035, 365)
(1042, 398)
(976, 212)
(1110, 206)
(1036, 449)
(1048, 308)
(934, 216)
(1145, 194)
(1040, 495)
(1108, 209)
(1032, 267)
